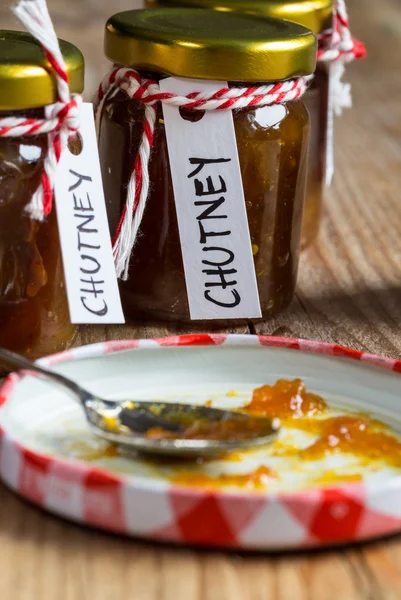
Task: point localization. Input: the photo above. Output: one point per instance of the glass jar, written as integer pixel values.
(318, 17)
(34, 316)
(272, 147)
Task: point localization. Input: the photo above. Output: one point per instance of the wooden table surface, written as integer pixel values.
(349, 292)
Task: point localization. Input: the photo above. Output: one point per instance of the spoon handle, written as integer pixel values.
(14, 362)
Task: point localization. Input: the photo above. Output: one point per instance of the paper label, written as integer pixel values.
(212, 220)
(90, 275)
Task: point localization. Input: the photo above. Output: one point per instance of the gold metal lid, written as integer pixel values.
(316, 15)
(207, 44)
(26, 78)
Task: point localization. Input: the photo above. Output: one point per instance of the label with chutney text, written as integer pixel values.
(210, 204)
(90, 275)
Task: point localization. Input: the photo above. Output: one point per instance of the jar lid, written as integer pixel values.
(26, 77)
(207, 44)
(316, 15)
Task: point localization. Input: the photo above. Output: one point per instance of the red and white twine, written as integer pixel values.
(148, 93)
(338, 44)
(338, 47)
(61, 119)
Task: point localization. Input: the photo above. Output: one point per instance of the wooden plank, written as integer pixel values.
(57, 559)
(349, 288)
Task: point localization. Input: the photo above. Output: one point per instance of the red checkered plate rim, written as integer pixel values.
(193, 515)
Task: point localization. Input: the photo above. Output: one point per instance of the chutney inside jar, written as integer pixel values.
(34, 315)
(272, 144)
(316, 16)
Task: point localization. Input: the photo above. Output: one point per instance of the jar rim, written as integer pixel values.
(207, 44)
(26, 77)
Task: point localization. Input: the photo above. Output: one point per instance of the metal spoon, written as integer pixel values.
(129, 423)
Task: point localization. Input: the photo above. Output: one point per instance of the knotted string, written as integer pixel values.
(61, 119)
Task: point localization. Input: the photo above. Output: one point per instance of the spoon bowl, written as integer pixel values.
(158, 427)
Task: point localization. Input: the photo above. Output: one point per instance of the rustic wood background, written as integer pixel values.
(349, 292)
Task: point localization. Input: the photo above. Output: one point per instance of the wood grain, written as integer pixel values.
(349, 292)
(349, 288)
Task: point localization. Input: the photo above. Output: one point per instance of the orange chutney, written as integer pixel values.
(367, 439)
(356, 434)
(286, 400)
(370, 442)
(255, 480)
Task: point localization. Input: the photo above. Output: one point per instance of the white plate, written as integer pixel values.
(48, 456)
